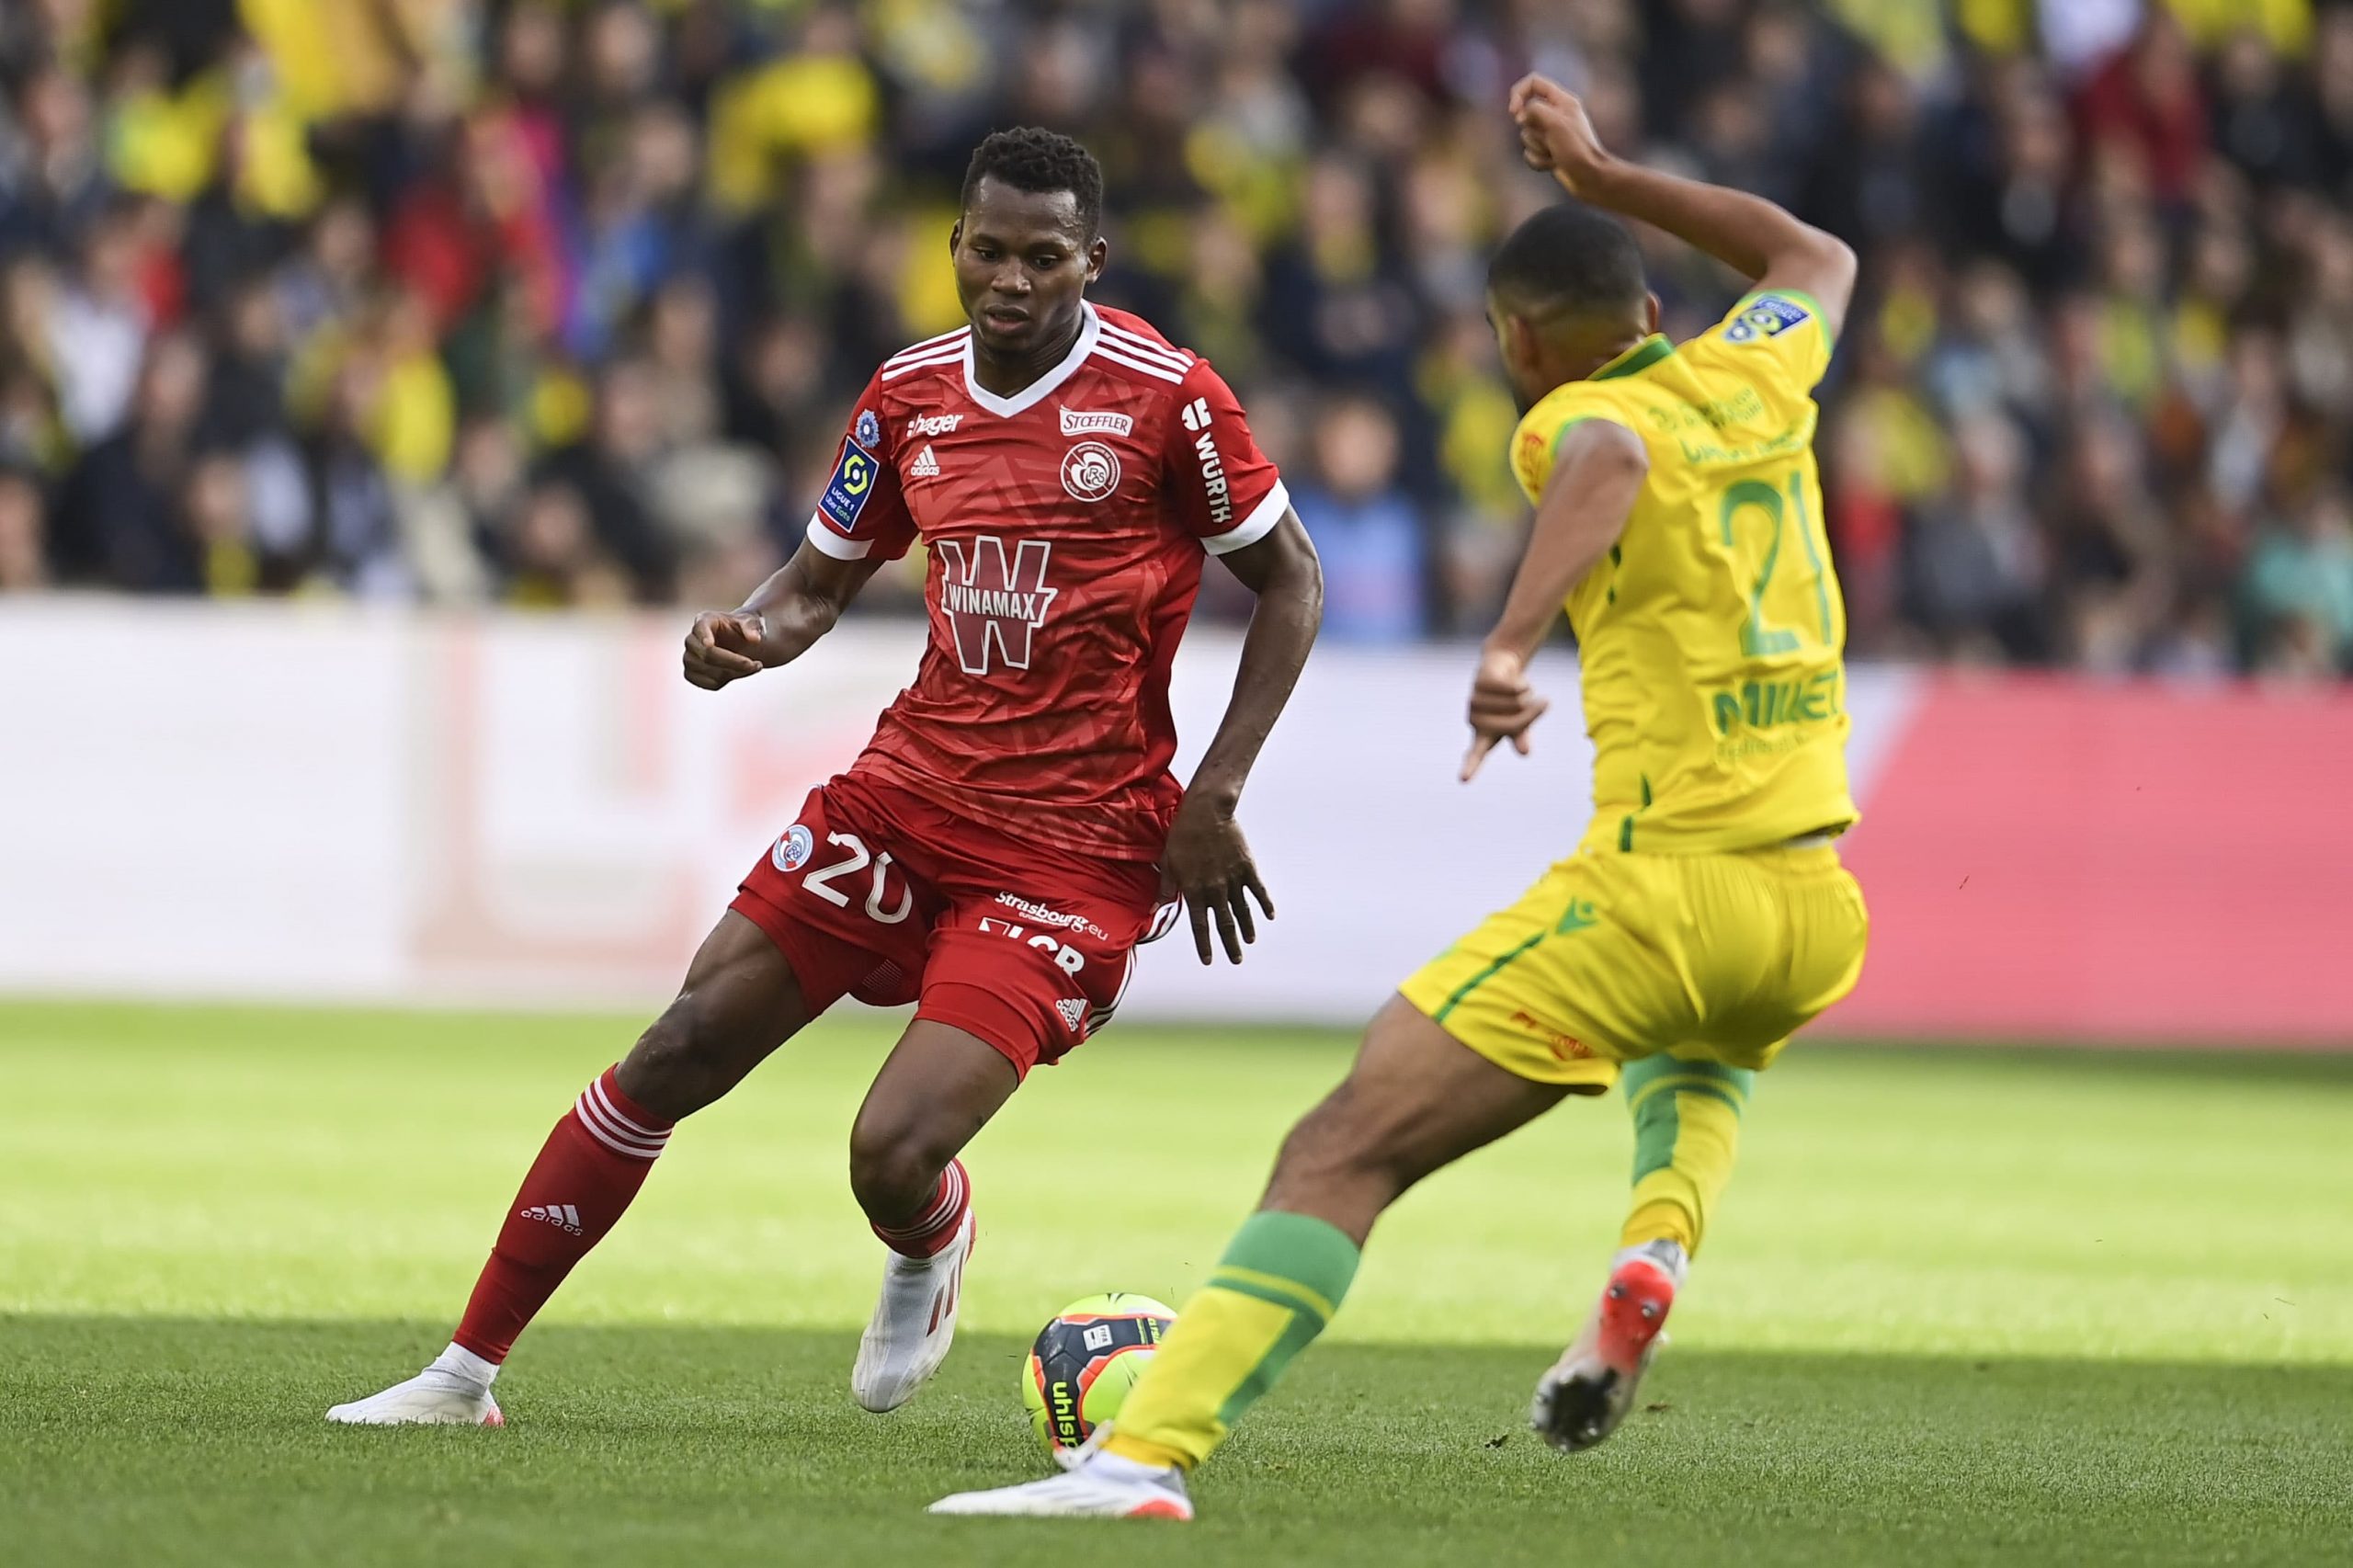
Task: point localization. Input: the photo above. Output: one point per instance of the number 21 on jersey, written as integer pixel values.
(1787, 602)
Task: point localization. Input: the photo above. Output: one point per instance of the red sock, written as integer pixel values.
(932, 1230)
(592, 1164)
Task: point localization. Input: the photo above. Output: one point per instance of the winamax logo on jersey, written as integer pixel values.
(994, 605)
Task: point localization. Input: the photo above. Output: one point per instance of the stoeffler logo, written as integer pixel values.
(1077, 423)
(1221, 500)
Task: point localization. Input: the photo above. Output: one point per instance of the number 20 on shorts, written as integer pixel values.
(820, 879)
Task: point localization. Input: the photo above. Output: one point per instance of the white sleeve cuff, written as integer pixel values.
(832, 544)
(1254, 527)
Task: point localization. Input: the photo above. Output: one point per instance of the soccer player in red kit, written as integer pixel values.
(1012, 831)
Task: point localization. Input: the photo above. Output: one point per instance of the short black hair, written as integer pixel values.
(1029, 158)
(1568, 258)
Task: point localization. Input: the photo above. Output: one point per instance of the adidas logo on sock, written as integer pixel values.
(563, 1216)
(1074, 1012)
(926, 466)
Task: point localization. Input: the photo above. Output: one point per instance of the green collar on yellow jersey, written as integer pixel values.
(1641, 357)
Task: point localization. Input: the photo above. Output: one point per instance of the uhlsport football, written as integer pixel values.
(1085, 1360)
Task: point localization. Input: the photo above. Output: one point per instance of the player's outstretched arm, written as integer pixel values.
(779, 622)
(1745, 232)
(1597, 474)
(1207, 858)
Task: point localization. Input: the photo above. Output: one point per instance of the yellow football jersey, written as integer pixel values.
(1710, 639)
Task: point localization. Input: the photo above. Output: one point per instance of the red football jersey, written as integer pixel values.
(1067, 526)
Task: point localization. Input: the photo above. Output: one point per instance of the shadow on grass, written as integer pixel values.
(168, 1441)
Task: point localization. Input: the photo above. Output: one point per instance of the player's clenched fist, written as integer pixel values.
(1554, 132)
(723, 646)
(1209, 862)
(1503, 705)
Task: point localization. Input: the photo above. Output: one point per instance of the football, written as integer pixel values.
(1085, 1360)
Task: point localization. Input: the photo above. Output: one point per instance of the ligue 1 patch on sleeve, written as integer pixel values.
(1768, 315)
(845, 493)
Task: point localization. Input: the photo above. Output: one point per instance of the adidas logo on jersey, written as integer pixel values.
(562, 1216)
(926, 466)
(1073, 1010)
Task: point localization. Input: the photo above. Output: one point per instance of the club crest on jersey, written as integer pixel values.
(1768, 315)
(995, 602)
(1090, 471)
(791, 851)
(1076, 422)
(847, 493)
(870, 430)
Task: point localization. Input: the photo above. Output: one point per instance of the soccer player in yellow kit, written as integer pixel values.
(1704, 917)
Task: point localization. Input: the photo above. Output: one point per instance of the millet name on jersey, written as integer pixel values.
(1764, 704)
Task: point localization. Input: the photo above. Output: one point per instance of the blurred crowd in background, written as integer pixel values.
(560, 303)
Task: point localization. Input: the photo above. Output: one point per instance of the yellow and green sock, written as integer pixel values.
(1281, 1280)
(1686, 1131)
(1284, 1275)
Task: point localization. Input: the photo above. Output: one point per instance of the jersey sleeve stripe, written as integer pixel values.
(1161, 371)
(1562, 434)
(1254, 527)
(915, 348)
(824, 538)
(1157, 344)
(1144, 346)
(898, 367)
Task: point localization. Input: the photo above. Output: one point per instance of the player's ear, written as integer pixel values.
(1515, 338)
(1097, 252)
(1650, 311)
(956, 238)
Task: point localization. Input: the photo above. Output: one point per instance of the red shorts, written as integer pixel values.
(880, 894)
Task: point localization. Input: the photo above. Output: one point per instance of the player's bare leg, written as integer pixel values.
(940, 1086)
(739, 1001)
(1418, 1099)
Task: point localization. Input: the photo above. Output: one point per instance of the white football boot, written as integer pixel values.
(437, 1396)
(914, 1322)
(1093, 1485)
(1588, 1392)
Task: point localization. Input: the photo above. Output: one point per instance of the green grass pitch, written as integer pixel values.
(1960, 1307)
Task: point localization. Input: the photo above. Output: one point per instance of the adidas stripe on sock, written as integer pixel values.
(932, 1230)
(587, 1172)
